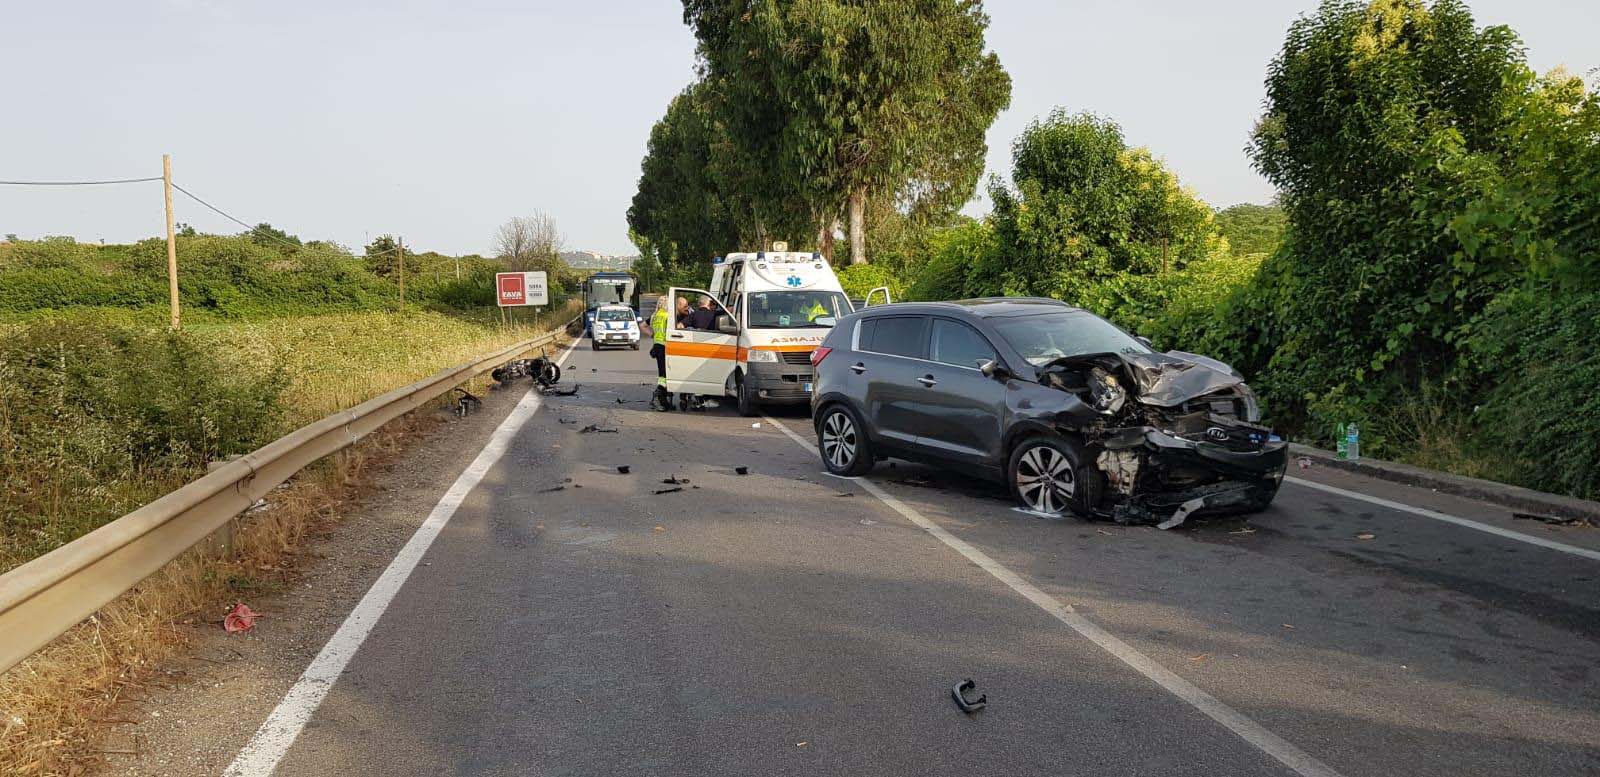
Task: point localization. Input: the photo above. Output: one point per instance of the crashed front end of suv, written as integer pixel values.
(1172, 433)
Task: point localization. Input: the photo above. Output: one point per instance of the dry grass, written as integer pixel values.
(53, 706)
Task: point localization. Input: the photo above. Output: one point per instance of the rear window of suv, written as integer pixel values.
(894, 335)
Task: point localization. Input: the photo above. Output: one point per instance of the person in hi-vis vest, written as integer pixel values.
(660, 322)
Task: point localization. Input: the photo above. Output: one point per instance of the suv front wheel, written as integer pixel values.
(1047, 476)
(842, 442)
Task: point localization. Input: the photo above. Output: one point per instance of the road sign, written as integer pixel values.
(521, 289)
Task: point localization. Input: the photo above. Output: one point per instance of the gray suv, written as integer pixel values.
(1073, 413)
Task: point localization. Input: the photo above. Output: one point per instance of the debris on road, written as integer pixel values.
(1365, 535)
(1182, 513)
(467, 403)
(1245, 530)
(1288, 626)
(673, 490)
(867, 522)
(674, 480)
(1305, 462)
(623, 468)
(1199, 658)
(551, 391)
(1549, 519)
(593, 429)
(553, 488)
(756, 425)
(622, 401)
(659, 528)
(966, 705)
(240, 618)
(742, 470)
(566, 420)
(844, 493)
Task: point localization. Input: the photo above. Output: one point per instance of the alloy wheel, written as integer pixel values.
(839, 440)
(1045, 479)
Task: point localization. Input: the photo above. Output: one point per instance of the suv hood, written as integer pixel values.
(1162, 379)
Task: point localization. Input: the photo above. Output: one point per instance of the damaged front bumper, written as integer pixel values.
(1161, 477)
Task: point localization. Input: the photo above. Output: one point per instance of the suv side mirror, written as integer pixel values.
(992, 369)
(726, 326)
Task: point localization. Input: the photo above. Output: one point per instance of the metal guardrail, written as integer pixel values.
(42, 599)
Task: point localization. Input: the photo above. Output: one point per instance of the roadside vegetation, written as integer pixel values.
(104, 409)
(1429, 271)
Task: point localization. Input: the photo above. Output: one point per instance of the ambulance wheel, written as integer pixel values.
(594, 344)
(747, 398)
(635, 345)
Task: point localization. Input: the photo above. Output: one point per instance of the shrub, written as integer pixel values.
(91, 415)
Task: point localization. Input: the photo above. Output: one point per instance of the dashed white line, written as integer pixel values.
(1301, 762)
(272, 741)
(1448, 518)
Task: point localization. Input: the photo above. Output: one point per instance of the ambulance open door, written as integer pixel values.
(698, 361)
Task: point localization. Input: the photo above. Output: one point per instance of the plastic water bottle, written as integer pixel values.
(1352, 442)
(1340, 441)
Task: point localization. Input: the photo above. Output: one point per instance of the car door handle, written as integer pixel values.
(677, 337)
(858, 368)
(927, 380)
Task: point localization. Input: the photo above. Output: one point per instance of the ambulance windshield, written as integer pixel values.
(794, 309)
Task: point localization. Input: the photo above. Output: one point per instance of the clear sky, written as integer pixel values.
(342, 119)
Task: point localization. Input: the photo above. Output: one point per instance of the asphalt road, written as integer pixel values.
(569, 620)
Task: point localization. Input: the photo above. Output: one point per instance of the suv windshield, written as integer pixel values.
(794, 309)
(614, 315)
(1044, 338)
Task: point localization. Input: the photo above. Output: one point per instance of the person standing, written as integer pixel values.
(660, 322)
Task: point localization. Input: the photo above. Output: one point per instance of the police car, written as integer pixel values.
(614, 325)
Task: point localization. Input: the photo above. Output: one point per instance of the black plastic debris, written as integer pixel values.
(567, 420)
(1553, 520)
(593, 429)
(467, 403)
(676, 481)
(551, 391)
(552, 488)
(742, 470)
(622, 401)
(844, 493)
(667, 491)
(623, 468)
(968, 706)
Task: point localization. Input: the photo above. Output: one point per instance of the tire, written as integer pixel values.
(842, 442)
(634, 345)
(1050, 475)
(747, 398)
(594, 344)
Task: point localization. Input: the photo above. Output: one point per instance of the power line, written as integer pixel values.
(256, 229)
(79, 183)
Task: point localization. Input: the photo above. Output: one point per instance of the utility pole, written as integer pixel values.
(172, 241)
(400, 247)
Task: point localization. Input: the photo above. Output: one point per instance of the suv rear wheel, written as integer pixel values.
(1047, 476)
(842, 442)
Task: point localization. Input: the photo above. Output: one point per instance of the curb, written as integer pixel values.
(1514, 497)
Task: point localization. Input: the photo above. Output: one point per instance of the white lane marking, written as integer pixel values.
(272, 741)
(1447, 518)
(1300, 761)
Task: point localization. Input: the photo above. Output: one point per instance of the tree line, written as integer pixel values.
(812, 119)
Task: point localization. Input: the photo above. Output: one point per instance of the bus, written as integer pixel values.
(609, 288)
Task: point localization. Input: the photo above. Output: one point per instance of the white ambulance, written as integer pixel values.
(774, 308)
